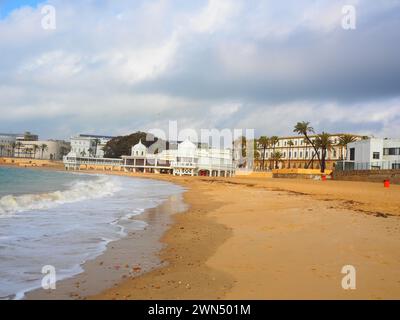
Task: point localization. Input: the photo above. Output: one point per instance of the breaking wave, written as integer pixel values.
(78, 191)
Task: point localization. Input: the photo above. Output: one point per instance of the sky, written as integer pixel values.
(115, 67)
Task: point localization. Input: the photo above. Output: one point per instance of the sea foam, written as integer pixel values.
(78, 191)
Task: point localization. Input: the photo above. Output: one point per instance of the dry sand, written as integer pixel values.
(253, 238)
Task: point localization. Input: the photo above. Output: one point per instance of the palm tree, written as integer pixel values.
(28, 151)
(13, 146)
(256, 152)
(18, 146)
(1, 149)
(90, 151)
(276, 158)
(324, 143)
(290, 144)
(63, 151)
(43, 147)
(83, 153)
(344, 141)
(35, 148)
(304, 128)
(263, 141)
(96, 143)
(273, 141)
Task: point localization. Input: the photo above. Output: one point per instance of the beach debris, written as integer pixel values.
(136, 269)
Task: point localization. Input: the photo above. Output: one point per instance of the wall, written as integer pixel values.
(368, 175)
(21, 162)
(300, 173)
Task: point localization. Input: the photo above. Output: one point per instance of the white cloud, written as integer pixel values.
(115, 66)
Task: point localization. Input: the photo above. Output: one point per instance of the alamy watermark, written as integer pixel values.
(50, 278)
(349, 280)
(49, 17)
(349, 19)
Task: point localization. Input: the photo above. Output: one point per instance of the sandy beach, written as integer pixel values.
(253, 238)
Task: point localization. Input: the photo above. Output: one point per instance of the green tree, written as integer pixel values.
(304, 128)
(13, 146)
(96, 143)
(43, 148)
(324, 143)
(273, 141)
(35, 148)
(344, 140)
(290, 144)
(276, 157)
(18, 146)
(263, 141)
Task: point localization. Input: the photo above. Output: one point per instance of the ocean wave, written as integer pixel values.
(78, 191)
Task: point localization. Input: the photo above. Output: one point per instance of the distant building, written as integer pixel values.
(300, 153)
(89, 145)
(27, 136)
(186, 159)
(373, 153)
(6, 144)
(43, 149)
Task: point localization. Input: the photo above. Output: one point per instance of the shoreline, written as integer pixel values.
(131, 255)
(257, 238)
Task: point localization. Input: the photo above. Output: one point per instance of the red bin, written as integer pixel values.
(386, 183)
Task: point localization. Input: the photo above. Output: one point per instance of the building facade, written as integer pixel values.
(42, 149)
(187, 159)
(89, 145)
(298, 153)
(7, 143)
(372, 154)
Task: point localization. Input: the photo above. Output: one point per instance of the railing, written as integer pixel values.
(183, 164)
(374, 165)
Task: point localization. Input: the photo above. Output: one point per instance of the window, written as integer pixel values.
(395, 166)
(334, 153)
(376, 155)
(391, 151)
(301, 154)
(352, 154)
(295, 154)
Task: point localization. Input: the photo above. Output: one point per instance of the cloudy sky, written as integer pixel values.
(112, 67)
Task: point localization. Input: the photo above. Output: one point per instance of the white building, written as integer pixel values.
(42, 149)
(7, 141)
(373, 153)
(186, 159)
(298, 153)
(89, 145)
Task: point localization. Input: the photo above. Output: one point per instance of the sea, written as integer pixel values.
(63, 219)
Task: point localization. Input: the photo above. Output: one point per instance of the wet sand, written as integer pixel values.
(245, 238)
(130, 256)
